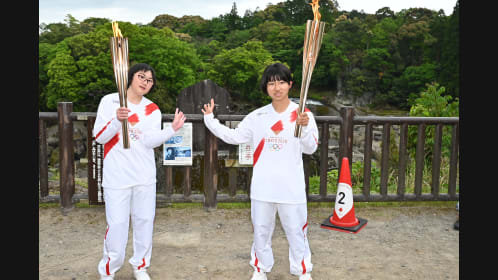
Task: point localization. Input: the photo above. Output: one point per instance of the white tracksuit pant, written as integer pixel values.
(139, 202)
(293, 218)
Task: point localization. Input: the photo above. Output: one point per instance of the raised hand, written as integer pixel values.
(179, 120)
(208, 108)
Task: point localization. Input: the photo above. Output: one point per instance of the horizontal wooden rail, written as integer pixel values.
(210, 195)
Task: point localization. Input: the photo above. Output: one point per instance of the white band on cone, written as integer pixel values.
(343, 200)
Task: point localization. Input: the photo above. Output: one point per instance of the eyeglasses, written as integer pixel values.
(273, 84)
(141, 77)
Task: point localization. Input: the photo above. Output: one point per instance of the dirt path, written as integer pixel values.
(414, 242)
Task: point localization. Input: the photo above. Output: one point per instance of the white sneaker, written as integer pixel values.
(259, 276)
(306, 276)
(106, 277)
(141, 274)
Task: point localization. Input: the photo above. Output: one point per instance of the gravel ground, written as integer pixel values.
(408, 242)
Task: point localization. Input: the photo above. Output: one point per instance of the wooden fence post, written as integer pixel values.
(210, 170)
(169, 188)
(419, 160)
(453, 162)
(403, 158)
(436, 159)
(346, 136)
(367, 161)
(42, 134)
(187, 182)
(324, 154)
(66, 157)
(92, 175)
(384, 161)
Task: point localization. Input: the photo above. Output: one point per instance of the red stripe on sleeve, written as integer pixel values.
(258, 151)
(108, 146)
(293, 116)
(102, 130)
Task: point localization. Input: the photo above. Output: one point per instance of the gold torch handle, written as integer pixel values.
(119, 53)
(312, 42)
(126, 142)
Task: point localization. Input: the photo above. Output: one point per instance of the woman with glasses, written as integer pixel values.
(277, 183)
(129, 175)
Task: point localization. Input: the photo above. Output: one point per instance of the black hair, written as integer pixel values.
(275, 72)
(141, 67)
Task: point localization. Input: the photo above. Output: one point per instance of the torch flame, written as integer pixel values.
(115, 29)
(315, 6)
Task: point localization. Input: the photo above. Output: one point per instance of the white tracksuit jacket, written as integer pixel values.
(278, 174)
(135, 166)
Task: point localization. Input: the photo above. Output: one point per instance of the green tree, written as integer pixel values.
(414, 37)
(239, 70)
(273, 34)
(82, 70)
(232, 19)
(54, 32)
(384, 34)
(384, 12)
(208, 51)
(432, 103)
(46, 52)
(377, 60)
(293, 53)
(63, 85)
(297, 12)
(217, 29)
(412, 82)
(449, 50)
(236, 38)
(165, 20)
(360, 81)
(349, 37)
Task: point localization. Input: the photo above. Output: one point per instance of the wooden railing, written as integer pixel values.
(210, 196)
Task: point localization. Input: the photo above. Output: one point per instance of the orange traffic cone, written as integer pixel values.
(343, 218)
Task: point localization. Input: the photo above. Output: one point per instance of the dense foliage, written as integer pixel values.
(392, 56)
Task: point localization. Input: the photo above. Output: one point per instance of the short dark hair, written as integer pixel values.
(141, 67)
(275, 72)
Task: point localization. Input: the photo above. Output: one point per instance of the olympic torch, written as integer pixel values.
(312, 42)
(120, 62)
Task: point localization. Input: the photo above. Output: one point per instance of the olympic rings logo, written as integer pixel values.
(134, 134)
(275, 147)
